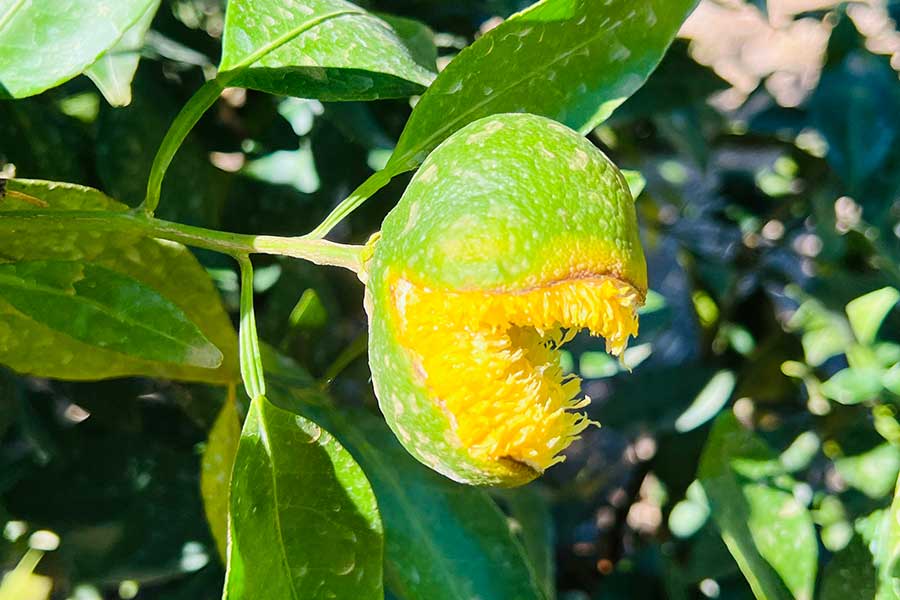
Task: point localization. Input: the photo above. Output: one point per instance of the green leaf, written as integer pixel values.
(891, 379)
(418, 38)
(850, 574)
(113, 72)
(444, 541)
(847, 109)
(531, 520)
(708, 402)
(46, 42)
(636, 182)
(769, 533)
(691, 514)
(825, 333)
(32, 347)
(304, 522)
(325, 49)
(105, 309)
(887, 551)
(866, 313)
(852, 386)
(571, 60)
(215, 470)
(873, 473)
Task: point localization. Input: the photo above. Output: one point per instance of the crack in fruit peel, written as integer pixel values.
(515, 234)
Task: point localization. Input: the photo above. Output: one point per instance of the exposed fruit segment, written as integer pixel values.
(515, 234)
(490, 360)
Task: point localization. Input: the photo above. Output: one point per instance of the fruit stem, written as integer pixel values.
(320, 252)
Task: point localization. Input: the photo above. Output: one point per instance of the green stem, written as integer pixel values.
(320, 252)
(368, 188)
(356, 349)
(248, 341)
(199, 103)
(204, 98)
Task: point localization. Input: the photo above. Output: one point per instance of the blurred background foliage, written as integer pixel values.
(769, 139)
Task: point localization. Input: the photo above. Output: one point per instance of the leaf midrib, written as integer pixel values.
(287, 37)
(20, 283)
(278, 527)
(6, 18)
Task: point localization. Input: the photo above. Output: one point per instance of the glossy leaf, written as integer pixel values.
(113, 72)
(105, 309)
(532, 522)
(215, 474)
(30, 346)
(571, 60)
(325, 49)
(867, 313)
(46, 42)
(769, 534)
(304, 521)
(444, 541)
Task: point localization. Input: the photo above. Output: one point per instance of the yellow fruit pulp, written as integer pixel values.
(490, 360)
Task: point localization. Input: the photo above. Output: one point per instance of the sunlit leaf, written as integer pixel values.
(304, 522)
(570, 60)
(769, 533)
(867, 312)
(170, 270)
(852, 386)
(46, 42)
(874, 472)
(102, 308)
(443, 540)
(886, 537)
(708, 402)
(113, 72)
(325, 49)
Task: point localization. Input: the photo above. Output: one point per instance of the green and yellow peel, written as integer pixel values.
(515, 234)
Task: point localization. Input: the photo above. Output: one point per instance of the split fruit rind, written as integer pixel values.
(515, 234)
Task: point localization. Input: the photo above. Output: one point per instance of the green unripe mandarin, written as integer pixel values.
(515, 233)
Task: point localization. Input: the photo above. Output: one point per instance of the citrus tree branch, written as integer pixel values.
(320, 252)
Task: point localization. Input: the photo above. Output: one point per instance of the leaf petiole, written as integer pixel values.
(248, 341)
